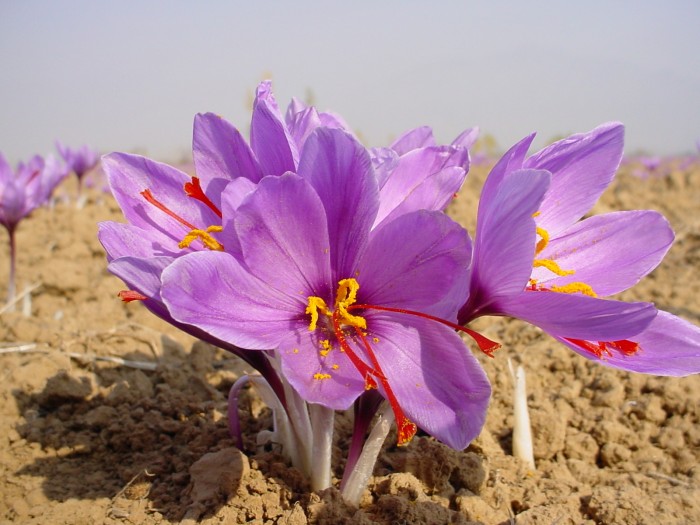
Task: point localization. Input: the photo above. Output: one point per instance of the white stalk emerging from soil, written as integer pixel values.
(357, 482)
(322, 423)
(522, 433)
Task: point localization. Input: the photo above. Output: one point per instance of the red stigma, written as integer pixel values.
(130, 295)
(162, 207)
(603, 349)
(194, 189)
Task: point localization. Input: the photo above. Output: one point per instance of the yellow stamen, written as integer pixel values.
(335, 367)
(552, 266)
(316, 304)
(325, 347)
(543, 242)
(320, 376)
(575, 287)
(346, 296)
(205, 236)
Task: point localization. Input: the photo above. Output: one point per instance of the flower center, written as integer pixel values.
(194, 190)
(348, 327)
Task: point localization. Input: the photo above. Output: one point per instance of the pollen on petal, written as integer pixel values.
(552, 266)
(319, 376)
(576, 287)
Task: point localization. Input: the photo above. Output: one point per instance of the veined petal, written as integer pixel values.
(420, 137)
(384, 162)
(231, 198)
(609, 252)
(220, 151)
(269, 136)
(413, 169)
(582, 167)
(418, 261)
(212, 291)
(125, 240)
(505, 240)
(142, 274)
(129, 175)
(330, 380)
(512, 160)
(6, 173)
(466, 139)
(340, 170)
(579, 316)
(670, 346)
(283, 234)
(438, 382)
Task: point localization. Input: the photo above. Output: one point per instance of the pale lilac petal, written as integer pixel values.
(609, 252)
(141, 274)
(212, 291)
(384, 162)
(439, 384)
(283, 236)
(411, 172)
(269, 137)
(579, 316)
(220, 151)
(339, 382)
(420, 137)
(340, 170)
(129, 175)
(6, 173)
(467, 138)
(512, 160)
(302, 123)
(505, 240)
(582, 166)
(670, 346)
(419, 262)
(123, 240)
(231, 198)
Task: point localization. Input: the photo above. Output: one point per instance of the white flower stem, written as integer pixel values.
(359, 477)
(522, 433)
(322, 424)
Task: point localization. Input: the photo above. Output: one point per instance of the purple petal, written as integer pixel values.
(505, 240)
(231, 198)
(339, 382)
(579, 316)
(220, 151)
(609, 252)
(438, 382)
(141, 274)
(340, 170)
(212, 291)
(415, 138)
(384, 162)
(467, 138)
(124, 240)
(269, 136)
(6, 173)
(419, 262)
(511, 161)
(670, 346)
(409, 181)
(582, 166)
(283, 236)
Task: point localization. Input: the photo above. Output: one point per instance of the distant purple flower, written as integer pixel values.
(337, 299)
(535, 261)
(23, 191)
(80, 160)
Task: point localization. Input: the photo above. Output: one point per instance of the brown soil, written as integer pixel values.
(86, 441)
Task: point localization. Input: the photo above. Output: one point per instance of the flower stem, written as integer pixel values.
(522, 433)
(359, 477)
(11, 286)
(322, 424)
(234, 423)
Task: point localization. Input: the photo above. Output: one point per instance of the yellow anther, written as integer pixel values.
(205, 236)
(375, 339)
(575, 287)
(346, 296)
(325, 347)
(316, 304)
(551, 266)
(536, 214)
(320, 376)
(543, 242)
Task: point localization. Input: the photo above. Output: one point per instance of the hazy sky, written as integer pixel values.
(131, 74)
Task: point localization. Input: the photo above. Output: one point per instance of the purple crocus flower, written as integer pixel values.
(23, 191)
(79, 160)
(345, 306)
(534, 260)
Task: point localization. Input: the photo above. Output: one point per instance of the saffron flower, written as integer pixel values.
(534, 259)
(21, 192)
(346, 307)
(80, 160)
